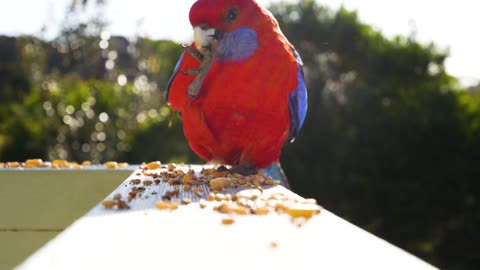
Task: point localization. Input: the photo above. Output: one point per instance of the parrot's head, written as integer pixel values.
(211, 19)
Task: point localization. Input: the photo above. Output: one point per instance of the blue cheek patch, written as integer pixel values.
(238, 45)
(297, 102)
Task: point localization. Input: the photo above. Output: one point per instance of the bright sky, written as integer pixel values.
(450, 24)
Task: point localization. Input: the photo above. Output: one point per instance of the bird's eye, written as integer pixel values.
(231, 15)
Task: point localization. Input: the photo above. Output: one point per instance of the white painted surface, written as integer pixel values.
(193, 238)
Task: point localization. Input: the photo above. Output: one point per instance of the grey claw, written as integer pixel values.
(191, 71)
(206, 62)
(193, 52)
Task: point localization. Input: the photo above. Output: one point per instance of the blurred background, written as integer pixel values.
(392, 137)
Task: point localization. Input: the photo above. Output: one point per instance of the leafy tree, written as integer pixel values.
(389, 141)
(86, 95)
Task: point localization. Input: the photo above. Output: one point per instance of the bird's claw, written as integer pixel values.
(191, 71)
(243, 169)
(206, 61)
(193, 52)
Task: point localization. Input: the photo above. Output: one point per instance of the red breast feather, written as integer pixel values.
(241, 115)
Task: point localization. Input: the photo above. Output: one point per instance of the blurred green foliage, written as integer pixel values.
(390, 141)
(88, 96)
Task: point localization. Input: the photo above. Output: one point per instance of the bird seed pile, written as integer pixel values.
(252, 194)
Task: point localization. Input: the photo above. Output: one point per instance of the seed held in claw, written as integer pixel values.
(206, 62)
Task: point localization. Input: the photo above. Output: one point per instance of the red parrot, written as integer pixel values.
(239, 87)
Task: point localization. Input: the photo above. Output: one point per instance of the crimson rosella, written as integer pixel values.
(239, 86)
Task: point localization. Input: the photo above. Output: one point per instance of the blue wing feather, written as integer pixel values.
(297, 102)
(175, 72)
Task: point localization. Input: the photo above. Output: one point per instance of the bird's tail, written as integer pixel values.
(275, 171)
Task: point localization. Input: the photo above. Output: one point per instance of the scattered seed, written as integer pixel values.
(186, 180)
(135, 181)
(249, 194)
(186, 201)
(202, 203)
(147, 182)
(172, 193)
(170, 167)
(111, 164)
(109, 203)
(303, 210)
(121, 204)
(273, 244)
(165, 205)
(261, 210)
(154, 165)
(86, 163)
(219, 183)
(268, 182)
(197, 191)
(228, 221)
(33, 162)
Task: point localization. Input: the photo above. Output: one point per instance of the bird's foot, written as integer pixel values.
(191, 71)
(193, 52)
(244, 169)
(206, 61)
